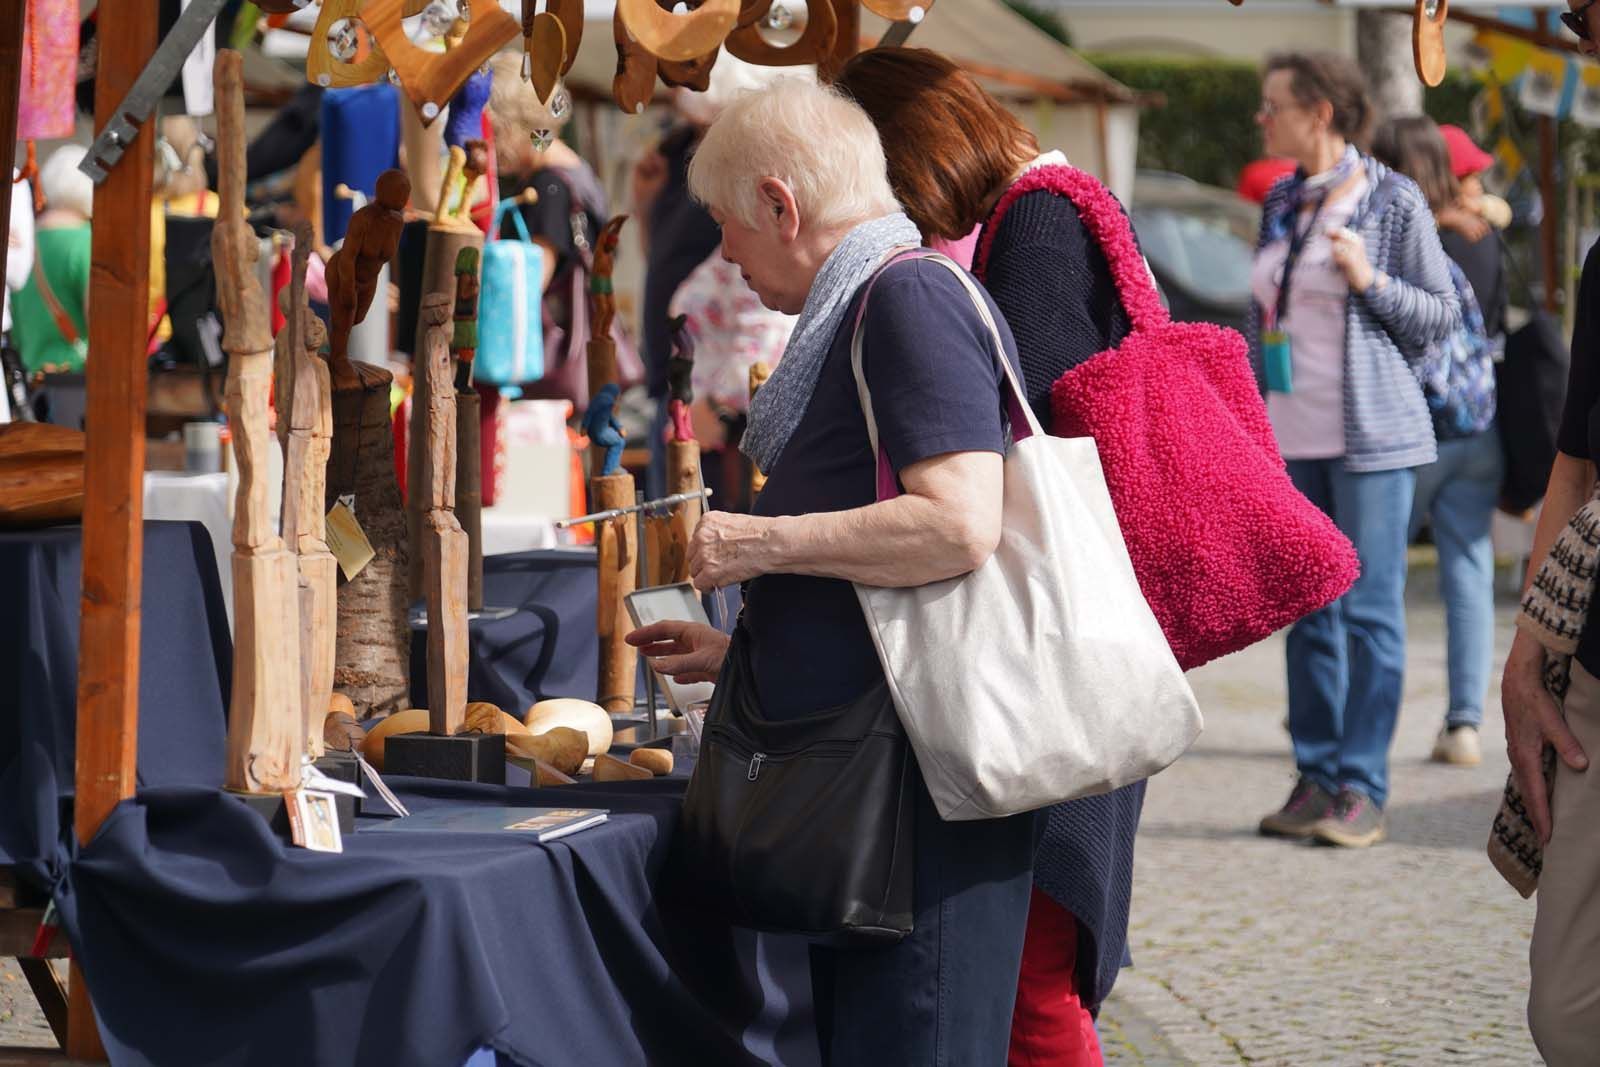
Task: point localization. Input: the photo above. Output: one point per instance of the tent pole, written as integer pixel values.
(113, 491)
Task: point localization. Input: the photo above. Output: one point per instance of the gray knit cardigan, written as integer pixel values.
(1386, 422)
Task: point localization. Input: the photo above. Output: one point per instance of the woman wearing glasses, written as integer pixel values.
(1350, 286)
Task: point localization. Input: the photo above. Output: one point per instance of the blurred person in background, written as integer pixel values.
(1350, 286)
(1457, 493)
(19, 264)
(49, 317)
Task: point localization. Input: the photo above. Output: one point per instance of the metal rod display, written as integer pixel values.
(648, 505)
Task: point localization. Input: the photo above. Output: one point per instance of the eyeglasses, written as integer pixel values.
(1577, 20)
(1269, 109)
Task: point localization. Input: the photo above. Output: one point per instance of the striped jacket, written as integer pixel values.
(1386, 420)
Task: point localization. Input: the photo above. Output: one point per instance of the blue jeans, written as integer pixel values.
(1346, 663)
(1458, 493)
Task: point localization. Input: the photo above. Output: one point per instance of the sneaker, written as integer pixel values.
(1458, 745)
(1354, 822)
(1307, 804)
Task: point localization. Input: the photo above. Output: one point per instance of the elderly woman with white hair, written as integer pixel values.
(795, 177)
(50, 321)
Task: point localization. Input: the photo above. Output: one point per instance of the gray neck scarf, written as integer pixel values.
(779, 405)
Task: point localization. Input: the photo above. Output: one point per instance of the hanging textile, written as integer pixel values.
(49, 69)
(197, 66)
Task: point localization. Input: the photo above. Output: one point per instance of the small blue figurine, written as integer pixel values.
(603, 429)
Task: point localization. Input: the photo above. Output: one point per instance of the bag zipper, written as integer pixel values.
(739, 747)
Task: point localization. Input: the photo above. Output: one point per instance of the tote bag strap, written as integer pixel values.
(511, 204)
(1024, 423)
(1106, 222)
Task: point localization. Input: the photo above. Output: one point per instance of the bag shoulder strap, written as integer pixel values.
(1015, 397)
(1107, 224)
(512, 204)
(64, 324)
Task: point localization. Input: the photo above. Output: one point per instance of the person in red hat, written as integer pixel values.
(1476, 210)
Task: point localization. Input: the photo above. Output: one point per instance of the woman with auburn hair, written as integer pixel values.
(953, 153)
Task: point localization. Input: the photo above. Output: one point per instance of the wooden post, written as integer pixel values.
(683, 476)
(618, 573)
(444, 544)
(113, 505)
(266, 725)
(305, 419)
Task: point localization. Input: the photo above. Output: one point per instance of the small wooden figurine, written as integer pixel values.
(305, 420)
(444, 543)
(370, 242)
(683, 458)
(680, 380)
(428, 79)
(604, 431)
(469, 453)
(266, 723)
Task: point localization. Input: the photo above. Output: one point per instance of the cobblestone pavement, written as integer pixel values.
(1262, 952)
(1259, 952)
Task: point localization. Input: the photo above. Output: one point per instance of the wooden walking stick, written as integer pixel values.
(305, 420)
(266, 724)
(444, 543)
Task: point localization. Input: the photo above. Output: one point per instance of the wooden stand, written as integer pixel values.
(372, 664)
(305, 420)
(443, 546)
(469, 488)
(266, 725)
(438, 276)
(618, 566)
(683, 476)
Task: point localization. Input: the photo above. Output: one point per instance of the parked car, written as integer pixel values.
(1200, 240)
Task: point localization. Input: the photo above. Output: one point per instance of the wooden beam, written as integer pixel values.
(10, 101)
(1539, 36)
(113, 506)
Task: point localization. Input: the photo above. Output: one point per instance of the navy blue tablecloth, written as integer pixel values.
(185, 670)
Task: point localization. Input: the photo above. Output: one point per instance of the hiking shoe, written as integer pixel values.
(1458, 745)
(1307, 804)
(1354, 822)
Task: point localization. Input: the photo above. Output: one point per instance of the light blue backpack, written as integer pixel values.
(510, 298)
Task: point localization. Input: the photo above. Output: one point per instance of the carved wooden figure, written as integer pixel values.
(814, 44)
(635, 81)
(618, 576)
(428, 79)
(469, 452)
(370, 242)
(674, 37)
(444, 543)
(306, 418)
(602, 351)
(266, 724)
(570, 14)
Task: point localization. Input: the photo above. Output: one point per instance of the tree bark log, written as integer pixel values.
(1383, 49)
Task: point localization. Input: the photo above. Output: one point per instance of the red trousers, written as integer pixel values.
(1050, 1026)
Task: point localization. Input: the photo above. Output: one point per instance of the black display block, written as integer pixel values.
(271, 807)
(462, 758)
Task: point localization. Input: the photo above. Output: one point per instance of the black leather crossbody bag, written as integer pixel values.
(804, 825)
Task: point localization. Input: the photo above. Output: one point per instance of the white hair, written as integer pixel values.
(815, 140)
(729, 78)
(66, 187)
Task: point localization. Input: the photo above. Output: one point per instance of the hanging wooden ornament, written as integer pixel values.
(341, 19)
(677, 38)
(429, 79)
(898, 10)
(570, 12)
(813, 46)
(1427, 40)
(546, 54)
(635, 81)
(751, 12)
(694, 74)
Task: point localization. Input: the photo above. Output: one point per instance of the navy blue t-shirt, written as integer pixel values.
(935, 384)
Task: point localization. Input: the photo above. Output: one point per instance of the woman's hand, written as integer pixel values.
(727, 548)
(1533, 720)
(1350, 254)
(1463, 220)
(683, 651)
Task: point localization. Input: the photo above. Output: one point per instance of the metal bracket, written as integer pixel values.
(136, 108)
(898, 32)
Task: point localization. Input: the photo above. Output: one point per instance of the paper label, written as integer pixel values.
(314, 820)
(347, 541)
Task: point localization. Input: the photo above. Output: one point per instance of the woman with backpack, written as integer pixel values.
(1457, 493)
(1350, 289)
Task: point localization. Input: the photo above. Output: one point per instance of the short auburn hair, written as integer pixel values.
(949, 144)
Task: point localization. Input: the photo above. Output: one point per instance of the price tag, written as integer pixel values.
(347, 541)
(314, 820)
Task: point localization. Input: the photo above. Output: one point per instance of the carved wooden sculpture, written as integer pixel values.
(692, 74)
(570, 14)
(1427, 40)
(305, 418)
(618, 563)
(635, 81)
(676, 38)
(328, 70)
(813, 46)
(469, 452)
(895, 10)
(428, 79)
(370, 242)
(683, 458)
(266, 724)
(545, 54)
(602, 351)
(444, 544)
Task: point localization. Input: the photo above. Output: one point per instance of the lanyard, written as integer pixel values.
(1297, 243)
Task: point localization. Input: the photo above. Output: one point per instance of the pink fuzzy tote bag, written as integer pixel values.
(1225, 548)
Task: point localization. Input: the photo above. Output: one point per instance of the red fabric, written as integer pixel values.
(282, 273)
(1050, 1027)
(1226, 549)
(1465, 156)
(1258, 177)
(399, 423)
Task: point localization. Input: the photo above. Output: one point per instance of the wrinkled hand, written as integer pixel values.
(1533, 720)
(1350, 254)
(683, 651)
(1465, 221)
(727, 548)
